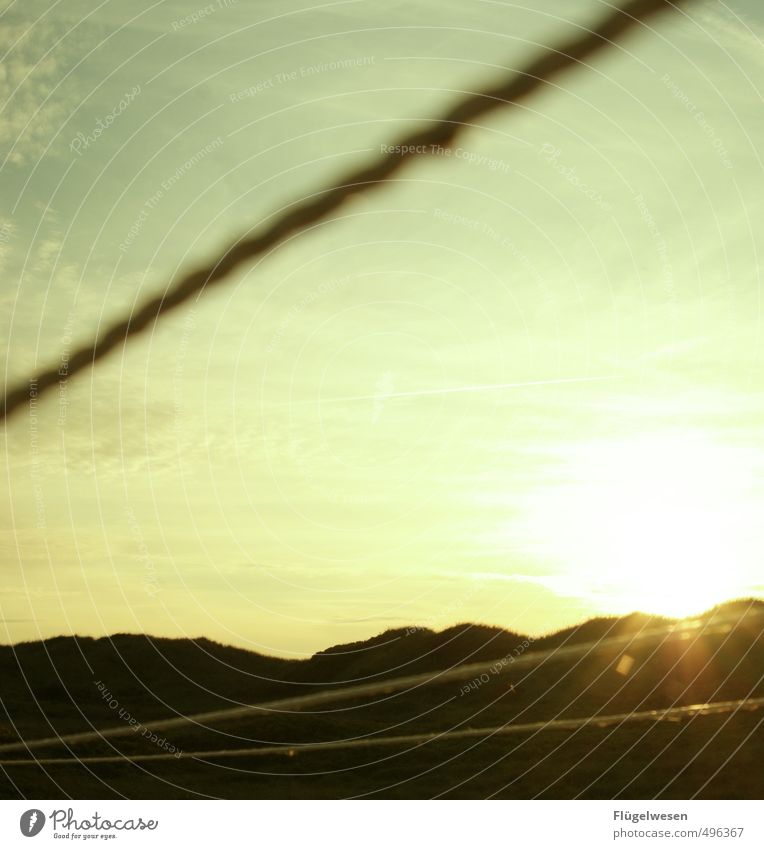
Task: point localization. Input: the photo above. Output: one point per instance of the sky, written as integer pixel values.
(520, 385)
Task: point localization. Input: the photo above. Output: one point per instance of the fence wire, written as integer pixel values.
(305, 213)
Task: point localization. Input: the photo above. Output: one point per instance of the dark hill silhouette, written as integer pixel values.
(405, 651)
(622, 665)
(55, 681)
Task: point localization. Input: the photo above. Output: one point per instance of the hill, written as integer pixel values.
(601, 668)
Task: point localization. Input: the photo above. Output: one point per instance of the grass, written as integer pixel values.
(49, 689)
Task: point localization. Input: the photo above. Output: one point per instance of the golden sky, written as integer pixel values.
(520, 385)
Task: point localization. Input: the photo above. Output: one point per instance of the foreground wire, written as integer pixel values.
(318, 207)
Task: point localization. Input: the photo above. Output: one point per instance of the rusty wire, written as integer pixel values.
(305, 213)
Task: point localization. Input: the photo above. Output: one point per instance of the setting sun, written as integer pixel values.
(662, 523)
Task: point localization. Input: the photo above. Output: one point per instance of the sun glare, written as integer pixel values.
(664, 524)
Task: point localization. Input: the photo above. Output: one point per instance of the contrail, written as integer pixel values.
(453, 390)
(320, 206)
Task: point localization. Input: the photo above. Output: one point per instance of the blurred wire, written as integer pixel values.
(598, 722)
(301, 215)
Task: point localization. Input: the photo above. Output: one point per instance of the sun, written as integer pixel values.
(663, 523)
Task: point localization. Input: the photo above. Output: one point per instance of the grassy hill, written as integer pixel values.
(603, 667)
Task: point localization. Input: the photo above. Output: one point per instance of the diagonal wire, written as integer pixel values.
(319, 206)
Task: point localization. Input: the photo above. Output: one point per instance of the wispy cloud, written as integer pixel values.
(30, 68)
(721, 22)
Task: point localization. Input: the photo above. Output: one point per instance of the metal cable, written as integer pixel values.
(319, 206)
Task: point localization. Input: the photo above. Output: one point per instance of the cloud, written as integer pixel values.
(366, 619)
(721, 22)
(35, 59)
(563, 585)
